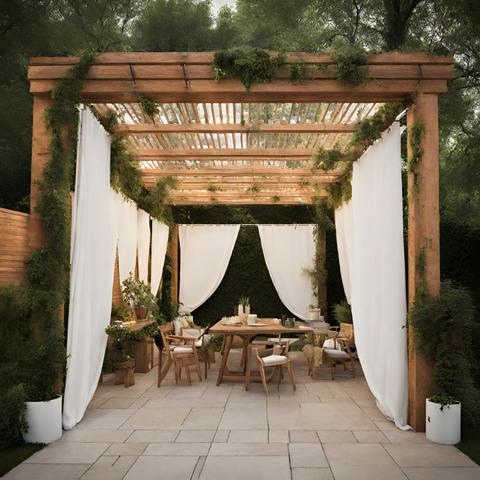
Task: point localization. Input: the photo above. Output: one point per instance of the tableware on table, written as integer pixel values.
(284, 317)
(252, 319)
(290, 322)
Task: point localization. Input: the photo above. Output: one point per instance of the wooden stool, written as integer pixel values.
(124, 373)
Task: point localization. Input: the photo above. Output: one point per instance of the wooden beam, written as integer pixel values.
(240, 171)
(206, 58)
(211, 128)
(121, 91)
(242, 201)
(229, 153)
(423, 232)
(205, 72)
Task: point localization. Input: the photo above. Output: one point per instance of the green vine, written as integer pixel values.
(253, 65)
(351, 65)
(366, 133)
(296, 72)
(148, 105)
(275, 198)
(417, 135)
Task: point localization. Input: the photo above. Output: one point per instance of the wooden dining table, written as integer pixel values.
(247, 332)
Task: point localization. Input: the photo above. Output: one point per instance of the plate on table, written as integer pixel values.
(258, 325)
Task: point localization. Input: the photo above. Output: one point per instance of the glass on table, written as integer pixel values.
(290, 322)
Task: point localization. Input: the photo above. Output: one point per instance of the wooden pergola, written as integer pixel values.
(225, 146)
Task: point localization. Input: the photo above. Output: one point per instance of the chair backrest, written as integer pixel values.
(346, 331)
(164, 331)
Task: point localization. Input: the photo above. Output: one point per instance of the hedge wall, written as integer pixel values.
(247, 272)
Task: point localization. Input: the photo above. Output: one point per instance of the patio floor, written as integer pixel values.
(326, 430)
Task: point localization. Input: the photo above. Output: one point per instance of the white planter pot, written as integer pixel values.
(443, 426)
(44, 420)
(314, 313)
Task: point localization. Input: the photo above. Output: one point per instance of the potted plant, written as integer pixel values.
(443, 419)
(314, 312)
(137, 294)
(32, 359)
(120, 314)
(122, 352)
(244, 301)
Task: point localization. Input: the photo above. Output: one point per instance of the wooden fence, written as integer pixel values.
(14, 245)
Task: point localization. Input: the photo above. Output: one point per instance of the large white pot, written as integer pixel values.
(443, 426)
(44, 420)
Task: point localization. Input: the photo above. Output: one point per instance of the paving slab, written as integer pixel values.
(156, 419)
(109, 468)
(445, 473)
(312, 474)
(26, 471)
(237, 468)
(166, 468)
(65, 453)
(307, 455)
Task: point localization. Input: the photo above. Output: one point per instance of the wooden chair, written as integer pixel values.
(344, 354)
(278, 358)
(179, 353)
(200, 343)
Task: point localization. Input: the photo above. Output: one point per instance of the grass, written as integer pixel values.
(470, 444)
(11, 457)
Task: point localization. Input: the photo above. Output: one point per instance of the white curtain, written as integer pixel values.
(344, 224)
(288, 249)
(143, 244)
(159, 249)
(377, 273)
(205, 253)
(94, 235)
(127, 240)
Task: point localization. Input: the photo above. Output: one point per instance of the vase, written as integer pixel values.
(44, 421)
(313, 313)
(443, 426)
(247, 309)
(240, 309)
(140, 312)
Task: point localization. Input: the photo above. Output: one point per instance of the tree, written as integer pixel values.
(173, 26)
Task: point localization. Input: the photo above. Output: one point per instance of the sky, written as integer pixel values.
(218, 3)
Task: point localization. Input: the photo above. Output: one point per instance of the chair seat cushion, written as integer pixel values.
(331, 344)
(275, 359)
(336, 353)
(283, 341)
(183, 350)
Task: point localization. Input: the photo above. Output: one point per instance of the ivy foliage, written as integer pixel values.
(417, 135)
(149, 106)
(253, 65)
(366, 133)
(351, 64)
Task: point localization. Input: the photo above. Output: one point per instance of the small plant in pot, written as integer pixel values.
(137, 294)
(443, 419)
(245, 303)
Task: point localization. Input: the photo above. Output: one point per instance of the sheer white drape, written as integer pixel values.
(288, 249)
(344, 227)
(159, 249)
(127, 240)
(143, 244)
(377, 273)
(205, 253)
(94, 235)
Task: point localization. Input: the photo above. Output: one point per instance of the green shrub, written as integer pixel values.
(445, 327)
(342, 312)
(12, 416)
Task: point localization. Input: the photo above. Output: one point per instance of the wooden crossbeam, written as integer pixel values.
(243, 171)
(217, 153)
(120, 91)
(206, 58)
(279, 128)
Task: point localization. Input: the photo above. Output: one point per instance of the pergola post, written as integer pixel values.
(40, 156)
(423, 231)
(174, 257)
(322, 286)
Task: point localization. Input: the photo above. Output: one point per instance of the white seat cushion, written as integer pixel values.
(274, 359)
(283, 341)
(331, 344)
(183, 350)
(336, 353)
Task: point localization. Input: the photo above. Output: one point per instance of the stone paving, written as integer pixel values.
(326, 430)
